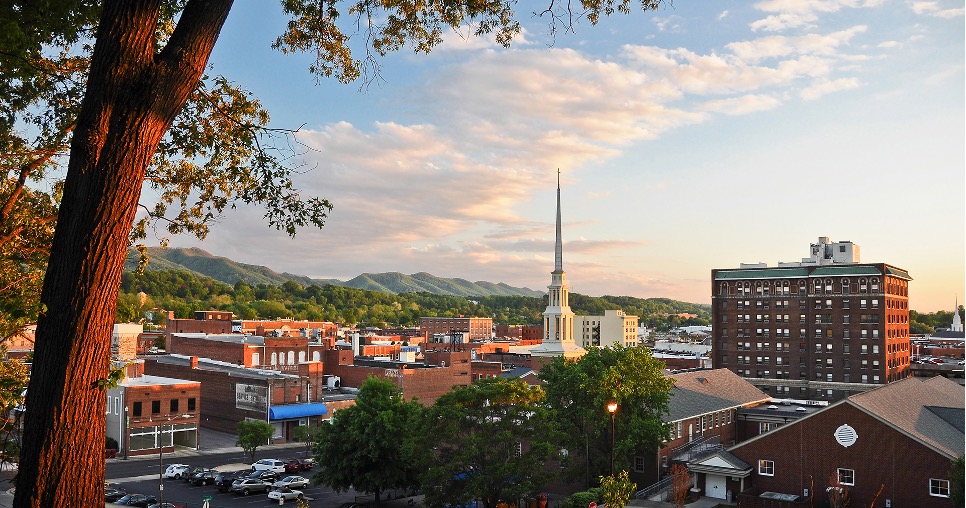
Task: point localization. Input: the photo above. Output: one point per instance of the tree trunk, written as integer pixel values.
(132, 97)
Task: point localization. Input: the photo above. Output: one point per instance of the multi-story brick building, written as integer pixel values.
(221, 322)
(148, 412)
(824, 328)
(611, 329)
(477, 328)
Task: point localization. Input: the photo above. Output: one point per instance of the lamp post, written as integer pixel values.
(612, 409)
(161, 454)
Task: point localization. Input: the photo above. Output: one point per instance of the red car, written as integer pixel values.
(292, 466)
(307, 463)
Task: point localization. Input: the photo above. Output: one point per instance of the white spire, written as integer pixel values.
(957, 321)
(558, 319)
(558, 246)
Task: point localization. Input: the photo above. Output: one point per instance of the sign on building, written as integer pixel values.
(251, 397)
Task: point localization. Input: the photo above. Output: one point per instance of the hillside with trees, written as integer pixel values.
(184, 292)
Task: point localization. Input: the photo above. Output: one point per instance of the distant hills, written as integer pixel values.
(200, 262)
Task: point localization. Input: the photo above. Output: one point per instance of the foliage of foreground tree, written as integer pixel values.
(490, 441)
(366, 446)
(579, 392)
(617, 489)
(147, 62)
(252, 434)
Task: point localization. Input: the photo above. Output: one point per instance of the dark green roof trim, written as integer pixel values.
(761, 273)
(846, 270)
(895, 272)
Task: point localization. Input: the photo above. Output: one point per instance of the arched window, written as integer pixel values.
(301, 356)
(291, 357)
(281, 358)
(274, 358)
(724, 289)
(255, 359)
(316, 356)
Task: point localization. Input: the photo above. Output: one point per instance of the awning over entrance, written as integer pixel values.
(296, 411)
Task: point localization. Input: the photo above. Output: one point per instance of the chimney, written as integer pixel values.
(194, 362)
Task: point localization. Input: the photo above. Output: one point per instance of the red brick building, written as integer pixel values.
(423, 381)
(813, 331)
(476, 328)
(701, 414)
(895, 442)
(146, 412)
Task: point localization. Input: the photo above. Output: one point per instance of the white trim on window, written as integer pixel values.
(939, 487)
(846, 476)
(766, 467)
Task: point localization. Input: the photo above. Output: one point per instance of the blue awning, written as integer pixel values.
(296, 411)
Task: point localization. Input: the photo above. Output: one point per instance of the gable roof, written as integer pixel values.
(930, 412)
(706, 391)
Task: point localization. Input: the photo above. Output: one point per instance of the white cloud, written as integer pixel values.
(825, 87)
(742, 105)
(723, 15)
(786, 14)
(889, 44)
(929, 8)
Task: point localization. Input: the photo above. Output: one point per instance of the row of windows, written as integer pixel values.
(938, 487)
(779, 374)
(137, 408)
(816, 286)
(705, 422)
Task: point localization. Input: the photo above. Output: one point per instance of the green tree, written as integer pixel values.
(957, 477)
(617, 490)
(13, 381)
(135, 107)
(252, 434)
(579, 392)
(365, 446)
(490, 441)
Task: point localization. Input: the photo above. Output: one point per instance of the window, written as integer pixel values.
(679, 429)
(191, 404)
(847, 476)
(766, 426)
(117, 405)
(155, 407)
(938, 487)
(174, 405)
(638, 464)
(136, 409)
(766, 467)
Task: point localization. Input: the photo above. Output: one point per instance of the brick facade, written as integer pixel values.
(881, 457)
(821, 332)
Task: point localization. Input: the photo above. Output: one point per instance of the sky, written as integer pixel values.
(701, 135)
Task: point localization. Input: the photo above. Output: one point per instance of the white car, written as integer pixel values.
(293, 482)
(285, 494)
(176, 471)
(274, 465)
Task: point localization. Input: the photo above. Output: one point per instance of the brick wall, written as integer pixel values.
(807, 452)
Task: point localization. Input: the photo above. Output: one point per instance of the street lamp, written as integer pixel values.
(161, 454)
(612, 409)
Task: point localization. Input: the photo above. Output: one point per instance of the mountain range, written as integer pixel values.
(200, 262)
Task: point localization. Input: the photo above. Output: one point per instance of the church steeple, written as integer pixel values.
(957, 321)
(558, 319)
(558, 246)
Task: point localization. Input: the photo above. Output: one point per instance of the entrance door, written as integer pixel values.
(714, 486)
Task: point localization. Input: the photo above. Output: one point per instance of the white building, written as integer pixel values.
(558, 319)
(613, 328)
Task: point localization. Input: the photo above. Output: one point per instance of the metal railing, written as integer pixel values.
(697, 449)
(660, 488)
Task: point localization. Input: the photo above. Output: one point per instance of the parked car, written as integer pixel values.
(176, 471)
(307, 463)
(292, 465)
(141, 500)
(292, 482)
(224, 480)
(285, 494)
(266, 476)
(269, 464)
(190, 474)
(204, 477)
(112, 494)
(246, 486)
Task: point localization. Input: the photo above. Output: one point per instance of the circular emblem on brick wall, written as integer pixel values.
(846, 436)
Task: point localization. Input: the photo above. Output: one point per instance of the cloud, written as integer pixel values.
(742, 105)
(929, 8)
(786, 14)
(826, 87)
(889, 44)
(723, 15)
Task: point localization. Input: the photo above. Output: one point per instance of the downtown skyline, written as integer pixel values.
(689, 138)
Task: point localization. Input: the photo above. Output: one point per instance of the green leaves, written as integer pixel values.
(252, 434)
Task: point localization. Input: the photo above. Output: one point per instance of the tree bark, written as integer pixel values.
(132, 97)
